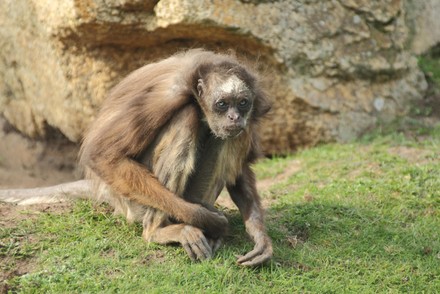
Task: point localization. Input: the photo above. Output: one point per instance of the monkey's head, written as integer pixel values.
(227, 100)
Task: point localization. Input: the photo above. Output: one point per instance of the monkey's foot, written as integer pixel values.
(196, 244)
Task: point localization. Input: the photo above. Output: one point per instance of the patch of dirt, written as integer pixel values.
(19, 267)
(371, 167)
(294, 167)
(11, 215)
(157, 257)
(411, 154)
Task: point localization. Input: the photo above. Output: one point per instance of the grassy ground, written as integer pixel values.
(361, 218)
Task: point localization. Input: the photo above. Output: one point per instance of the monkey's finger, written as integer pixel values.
(201, 248)
(189, 251)
(197, 252)
(186, 244)
(198, 243)
(257, 260)
(250, 255)
(261, 253)
(198, 238)
(206, 247)
(201, 251)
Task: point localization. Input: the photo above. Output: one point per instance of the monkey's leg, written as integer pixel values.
(158, 229)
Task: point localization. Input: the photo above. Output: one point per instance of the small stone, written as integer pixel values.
(379, 103)
(357, 19)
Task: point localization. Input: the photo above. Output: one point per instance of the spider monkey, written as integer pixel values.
(168, 139)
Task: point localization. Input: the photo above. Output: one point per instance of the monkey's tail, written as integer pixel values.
(53, 194)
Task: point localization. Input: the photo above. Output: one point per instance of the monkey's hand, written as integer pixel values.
(212, 222)
(261, 253)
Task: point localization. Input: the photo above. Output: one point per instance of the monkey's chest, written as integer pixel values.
(193, 169)
(213, 168)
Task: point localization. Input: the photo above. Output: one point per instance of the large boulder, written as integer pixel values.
(333, 67)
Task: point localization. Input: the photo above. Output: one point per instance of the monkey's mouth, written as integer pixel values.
(233, 131)
(227, 131)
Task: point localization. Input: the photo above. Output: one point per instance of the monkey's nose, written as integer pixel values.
(234, 116)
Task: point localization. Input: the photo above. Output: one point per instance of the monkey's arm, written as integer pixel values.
(135, 181)
(245, 196)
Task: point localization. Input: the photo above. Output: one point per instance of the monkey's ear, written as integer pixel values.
(262, 104)
(200, 87)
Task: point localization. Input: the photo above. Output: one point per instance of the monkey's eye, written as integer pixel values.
(243, 102)
(221, 105)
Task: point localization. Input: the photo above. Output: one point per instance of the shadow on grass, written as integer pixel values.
(312, 235)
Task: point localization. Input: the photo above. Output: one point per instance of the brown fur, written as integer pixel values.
(153, 148)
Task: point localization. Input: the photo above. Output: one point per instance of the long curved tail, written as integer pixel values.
(79, 189)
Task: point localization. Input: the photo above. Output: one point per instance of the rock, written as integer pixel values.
(333, 67)
(422, 18)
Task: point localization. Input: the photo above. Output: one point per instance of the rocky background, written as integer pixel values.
(334, 67)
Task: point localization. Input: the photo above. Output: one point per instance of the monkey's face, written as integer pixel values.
(227, 104)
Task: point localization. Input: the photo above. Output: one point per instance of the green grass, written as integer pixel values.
(354, 218)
